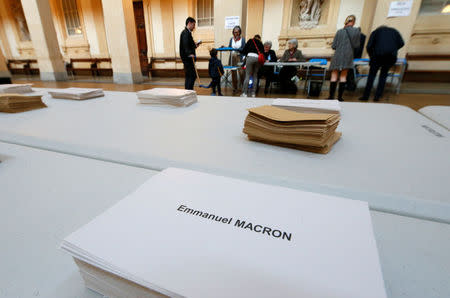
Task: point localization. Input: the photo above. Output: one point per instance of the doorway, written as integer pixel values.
(139, 18)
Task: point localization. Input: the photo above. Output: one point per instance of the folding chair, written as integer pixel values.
(399, 76)
(311, 74)
(226, 78)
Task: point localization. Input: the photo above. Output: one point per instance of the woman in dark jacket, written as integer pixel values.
(237, 42)
(267, 71)
(345, 42)
(251, 51)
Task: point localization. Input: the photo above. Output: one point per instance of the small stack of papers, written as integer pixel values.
(309, 105)
(16, 103)
(168, 96)
(15, 88)
(313, 132)
(190, 234)
(76, 93)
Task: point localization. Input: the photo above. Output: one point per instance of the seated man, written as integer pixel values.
(267, 71)
(292, 54)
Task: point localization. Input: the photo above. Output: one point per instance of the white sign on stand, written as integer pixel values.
(400, 8)
(230, 22)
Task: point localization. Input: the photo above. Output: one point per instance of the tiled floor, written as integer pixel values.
(418, 96)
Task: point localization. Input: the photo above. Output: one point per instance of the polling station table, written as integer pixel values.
(439, 114)
(389, 155)
(47, 195)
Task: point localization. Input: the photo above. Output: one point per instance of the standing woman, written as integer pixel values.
(345, 42)
(237, 42)
(252, 49)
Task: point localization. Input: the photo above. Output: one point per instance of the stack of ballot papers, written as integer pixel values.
(15, 88)
(167, 96)
(313, 132)
(76, 93)
(16, 103)
(309, 105)
(190, 234)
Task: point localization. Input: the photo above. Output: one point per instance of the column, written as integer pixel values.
(5, 76)
(45, 42)
(255, 11)
(404, 25)
(122, 41)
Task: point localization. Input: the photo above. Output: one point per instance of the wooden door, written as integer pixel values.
(141, 36)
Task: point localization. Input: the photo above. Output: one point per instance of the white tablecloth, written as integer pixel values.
(46, 195)
(387, 156)
(439, 114)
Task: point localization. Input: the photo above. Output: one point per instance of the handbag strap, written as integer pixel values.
(259, 53)
(349, 39)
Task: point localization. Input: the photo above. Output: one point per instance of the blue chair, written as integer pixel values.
(402, 63)
(310, 75)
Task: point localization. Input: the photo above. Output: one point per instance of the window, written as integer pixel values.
(71, 16)
(431, 7)
(205, 13)
(19, 18)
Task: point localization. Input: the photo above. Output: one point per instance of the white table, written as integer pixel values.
(386, 156)
(439, 114)
(44, 197)
(47, 195)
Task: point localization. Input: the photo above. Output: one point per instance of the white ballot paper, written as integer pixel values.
(190, 234)
(309, 105)
(76, 93)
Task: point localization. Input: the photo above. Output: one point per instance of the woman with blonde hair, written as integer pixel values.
(345, 42)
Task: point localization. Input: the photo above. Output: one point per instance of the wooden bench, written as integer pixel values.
(93, 69)
(170, 72)
(25, 66)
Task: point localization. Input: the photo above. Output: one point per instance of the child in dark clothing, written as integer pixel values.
(215, 69)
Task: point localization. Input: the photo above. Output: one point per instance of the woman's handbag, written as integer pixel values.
(261, 58)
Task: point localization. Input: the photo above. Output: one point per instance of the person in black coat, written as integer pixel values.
(215, 69)
(382, 48)
(187, 53)
(267, 71)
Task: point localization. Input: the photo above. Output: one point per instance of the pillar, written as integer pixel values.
(5, 75)
(122, 41)
(404, 25)
(45, 42)
(255, 11)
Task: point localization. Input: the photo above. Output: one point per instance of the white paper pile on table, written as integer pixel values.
(313, 132)
(167, 96)
(76, 93)
(16, 103)
(309, 105)
(15, 88)
(189, 234)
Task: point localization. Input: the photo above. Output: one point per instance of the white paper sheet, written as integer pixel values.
(400, 8)
(317, 246)
(231, 22)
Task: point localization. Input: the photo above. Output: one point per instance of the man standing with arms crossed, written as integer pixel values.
(187, 53)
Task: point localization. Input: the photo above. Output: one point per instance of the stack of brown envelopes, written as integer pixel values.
(16, 103)
(313, 132)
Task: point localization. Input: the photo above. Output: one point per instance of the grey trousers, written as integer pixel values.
(251, 69)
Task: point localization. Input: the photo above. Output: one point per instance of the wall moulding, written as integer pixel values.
(312, 40)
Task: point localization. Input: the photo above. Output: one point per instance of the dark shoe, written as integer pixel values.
(220, 94)
(266, 91)
(376, 99)
(332, 90)
(362, 98)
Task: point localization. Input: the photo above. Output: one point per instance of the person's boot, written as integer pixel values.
(341, 91)
(332, 90)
